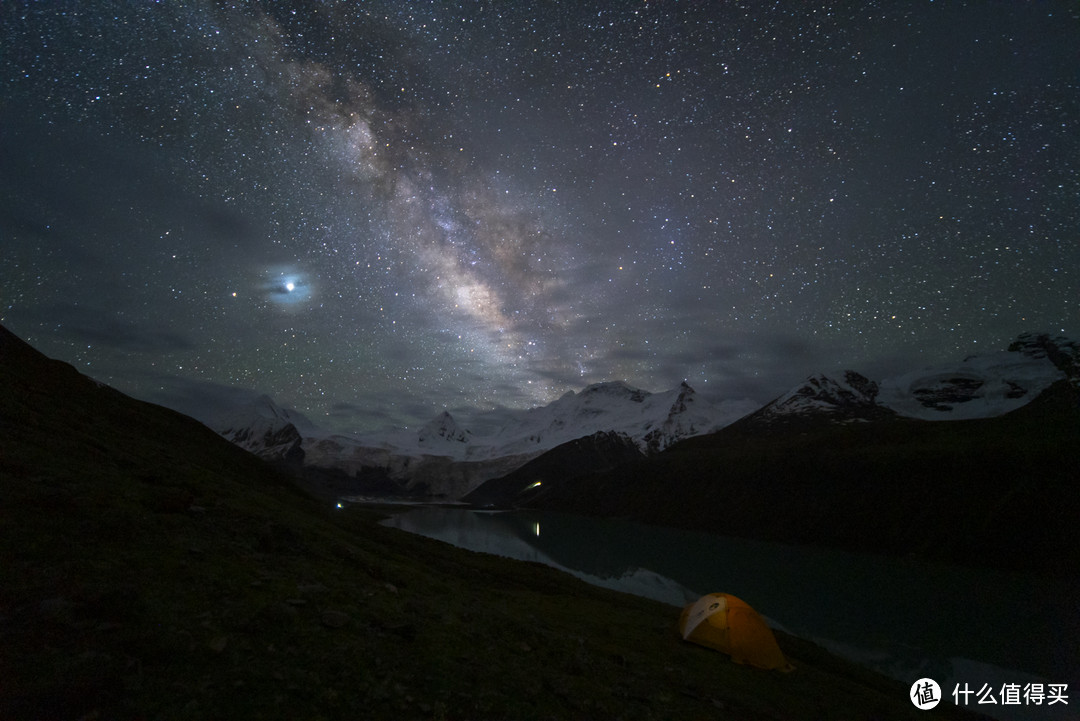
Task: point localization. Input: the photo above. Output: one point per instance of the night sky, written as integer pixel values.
(373, 211)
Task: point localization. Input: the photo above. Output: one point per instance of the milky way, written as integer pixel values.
(374, 211)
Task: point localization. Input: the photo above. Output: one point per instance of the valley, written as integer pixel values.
(969, 463)
(152, 570)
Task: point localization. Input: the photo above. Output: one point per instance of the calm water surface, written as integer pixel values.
(905, 619)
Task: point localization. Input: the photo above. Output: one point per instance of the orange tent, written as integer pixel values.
(728, 624)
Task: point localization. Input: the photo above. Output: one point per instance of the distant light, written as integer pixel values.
(290, 287)
(339, 505)
(536, 528)
(533, 485)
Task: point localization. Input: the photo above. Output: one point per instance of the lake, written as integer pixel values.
(903, 618)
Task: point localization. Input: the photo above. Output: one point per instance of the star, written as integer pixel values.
(807, 187)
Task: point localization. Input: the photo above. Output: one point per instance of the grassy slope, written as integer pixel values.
(994, 492)
(149, 570)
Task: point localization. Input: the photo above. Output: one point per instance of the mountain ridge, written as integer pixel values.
(995, 491)
(446, 460)
(827, 464)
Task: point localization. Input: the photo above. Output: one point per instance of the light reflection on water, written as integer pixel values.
(905, 619)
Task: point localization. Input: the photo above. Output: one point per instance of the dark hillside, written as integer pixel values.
(151, 570)
(994, 492)
(564, 463)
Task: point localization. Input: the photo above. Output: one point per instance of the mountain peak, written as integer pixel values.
(1059, 350)
(851, 398)
(820, 392)
(684, 395)
(443, 427)
(986, 384)
(265, 429)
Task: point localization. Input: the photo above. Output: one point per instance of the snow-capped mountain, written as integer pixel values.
(652, 420)
(441, 430)
(444, 458)
(685, 418)
(979, 386)
(984, 385)
(1059, 350)
(266, 429)
(849, 398)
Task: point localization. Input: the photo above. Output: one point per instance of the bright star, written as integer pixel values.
(288, 288)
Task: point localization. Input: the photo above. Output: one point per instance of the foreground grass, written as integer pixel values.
(242, 613)
(148, 570)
